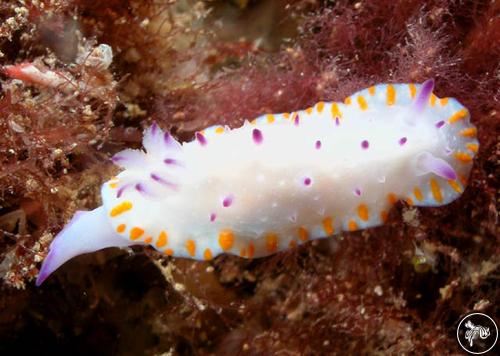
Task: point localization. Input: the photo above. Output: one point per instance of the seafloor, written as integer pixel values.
(397, 289)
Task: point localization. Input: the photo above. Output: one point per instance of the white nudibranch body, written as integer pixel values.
(281, 179)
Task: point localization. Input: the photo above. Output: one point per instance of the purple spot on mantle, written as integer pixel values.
(337, 121)
(213, 217)
(117, 158)
(296, 120)
(402, 141)
(365, 144)
(257, 136)
(170, 161)
(140, 188)
(227, 201)
(318, 144)
(357, 191)
(440, 124)
(201, 139)
(307, 181)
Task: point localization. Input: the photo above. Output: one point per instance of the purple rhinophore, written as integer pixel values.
(201, 139)
(438, 166)
(257, 136)
(296, 120)
(337, 121)
(227, 201)
(318, 144)
(365, 144)
(440, 124)
(402, 141)
(213, 217)
(307, 181)
(424, 95)
(357, 191)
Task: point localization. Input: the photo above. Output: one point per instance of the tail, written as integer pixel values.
(88, 231)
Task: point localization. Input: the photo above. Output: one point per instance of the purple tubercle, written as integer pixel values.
(357, 191)
(318, 144)
(121, 190)
(154, 128)
(140, 188)
(227, 201)
(117, 158)
(402, 141)
(201, 139)
(257, 136)
(167, 138)
(213, 217)
(365, 144)
(170, 161)
(337, 121)
(440, 124)
(296, 120)
(157, 178)
(307, 181)
(424, 95)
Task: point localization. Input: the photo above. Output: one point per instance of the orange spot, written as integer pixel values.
(409, 201)
(432, 100)
(286, 115)
(219, 130)
(207, 254)
(455, 186)
(328, 226)
(270, 118)
(113, 185)
(226, 239)
(121, 228)
(391, 95)
(363, 105)
(335, 111)
(413, 90)
(470, 132)
(303, 234)
(271, 242)
(352, 226)
(348, 100)
(462, 179)
(135, 233)
(253, 122)
(191, 247)
(459, 115)
(162, 239)
(443, 101)
(384, 216)
(436, 190)
(463, 157)
(371, 90)
(243, 252)
(392, 198)
(148, 240)
(363, 212)
(418, 194)
(251, 250)
(169, 252)
(320, 106)
(472, 147)
(309, 110)
(292, 244)
(120, 208)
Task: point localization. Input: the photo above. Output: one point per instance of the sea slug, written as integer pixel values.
(280, 180)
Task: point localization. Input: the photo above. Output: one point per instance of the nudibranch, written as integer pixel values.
(281, 179)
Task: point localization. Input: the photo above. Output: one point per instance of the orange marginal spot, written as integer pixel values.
(463, 157)
(207, 254)
(352, 226)
(459, 115)
(292, 244)
(348, 100)
(303, 234)
(243, 252)
(320, 106)
(148, 240)
(191, 247)
(120, 208)
(309, 110)
(413, 90)
(391, 95)
(121, 228)
(432, 99)
(335, 111)
(271, 242)
(169, 252)
(328, 226)
(409, 201)
(384, 216)
(286, 115)
(472, 147)
(456, 187)
(470, 132)
(462, 179)
(436, 190)
(270, 118)
(371, 90)
(251, 250)
(113, 185)
(443, 101)
(392, 198)
(162, 239)
(226, 239)
(418, 194)
(363, 212)
(136, 232)
(363, 105)
(219, 130)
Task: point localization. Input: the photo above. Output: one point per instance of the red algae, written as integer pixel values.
(399, 288)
